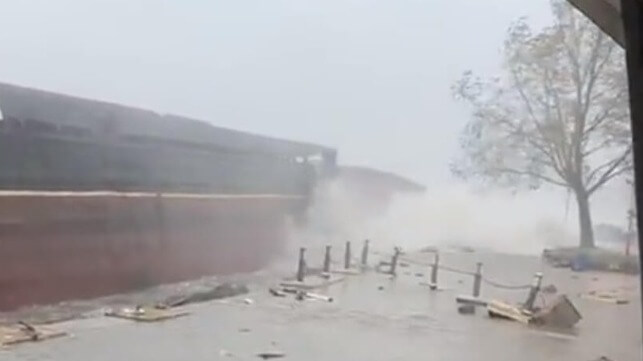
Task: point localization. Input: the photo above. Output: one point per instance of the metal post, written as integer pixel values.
(301, 267)
(327, 260)
(477, 280)
(396, 255)
(533, 291)
(365, 254)
(434, 271)
(347, 256)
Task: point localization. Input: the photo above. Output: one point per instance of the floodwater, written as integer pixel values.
(372, 317)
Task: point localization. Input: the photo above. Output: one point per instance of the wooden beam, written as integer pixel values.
(604, 13)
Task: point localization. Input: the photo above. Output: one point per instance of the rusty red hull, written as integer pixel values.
(58, 246)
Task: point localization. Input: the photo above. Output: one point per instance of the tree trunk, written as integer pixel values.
(584, 219)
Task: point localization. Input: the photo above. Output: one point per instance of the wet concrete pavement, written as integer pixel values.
(371, 318)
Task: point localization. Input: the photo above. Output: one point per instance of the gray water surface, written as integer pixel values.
(372, 318)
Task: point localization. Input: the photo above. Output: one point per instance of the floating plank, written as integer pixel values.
(605, 298)
(15, 334)
(146, 314)
(470, 300)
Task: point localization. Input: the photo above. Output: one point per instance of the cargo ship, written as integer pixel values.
(98, 198)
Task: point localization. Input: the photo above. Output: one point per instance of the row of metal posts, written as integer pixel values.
(477, 278)
(433, 284)
(301, 267)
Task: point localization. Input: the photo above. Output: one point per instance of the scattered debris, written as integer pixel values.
(579, 259)
(248, 301)
(605, 297)
(549, 289)
(277, 293)
(561, 313)
(24, 332)
(317, 296)
(466, 309)
(221, 291)
(303, 295)
(271, 354)
(499, 309)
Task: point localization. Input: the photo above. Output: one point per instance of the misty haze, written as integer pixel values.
(279, 169)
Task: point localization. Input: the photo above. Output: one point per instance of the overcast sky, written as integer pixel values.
(370, 77)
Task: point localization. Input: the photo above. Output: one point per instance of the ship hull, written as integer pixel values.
(57, 246)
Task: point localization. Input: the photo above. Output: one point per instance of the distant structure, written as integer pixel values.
(98, 198)
(375, 187)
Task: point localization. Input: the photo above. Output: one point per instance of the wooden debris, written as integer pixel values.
(145, 314)
(561, 313)
(272, 354)
(500, 309)
(23, 332)
(277, 293)
(605, 297)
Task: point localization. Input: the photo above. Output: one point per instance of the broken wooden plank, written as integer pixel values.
(146, 314)
(504, 310)
(605, 298)
(15, 334)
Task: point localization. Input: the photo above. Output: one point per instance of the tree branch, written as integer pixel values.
(612, 170)
(530, 174)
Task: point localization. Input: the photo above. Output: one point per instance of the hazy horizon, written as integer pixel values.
(370, 78)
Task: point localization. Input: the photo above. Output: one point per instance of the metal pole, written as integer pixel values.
(365, 254)
(533, 291)
(301, 267)
(477, 280)
(347, 256)
(327, 260)
(396, 255)
(434, 271)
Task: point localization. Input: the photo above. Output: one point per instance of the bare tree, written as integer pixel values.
(557, 115)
